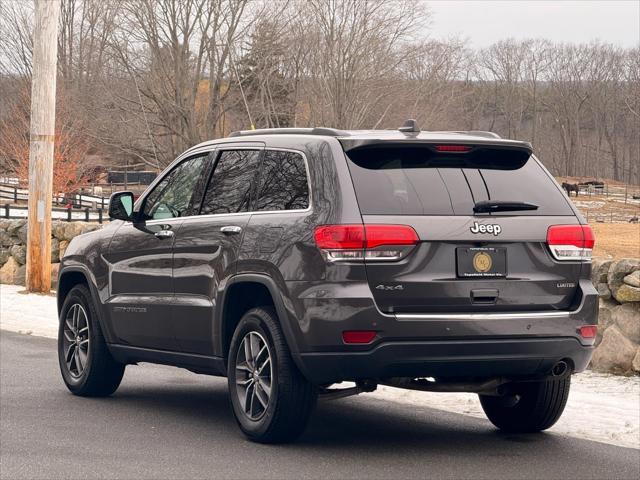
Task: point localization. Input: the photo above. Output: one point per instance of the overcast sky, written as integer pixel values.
(483, 22)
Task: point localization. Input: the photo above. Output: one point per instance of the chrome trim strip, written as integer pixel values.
(160, 221)
(482, 316)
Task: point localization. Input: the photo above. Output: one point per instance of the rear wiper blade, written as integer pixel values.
(489, 206)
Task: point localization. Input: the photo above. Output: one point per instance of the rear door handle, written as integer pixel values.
(164, 234)
(231, 229)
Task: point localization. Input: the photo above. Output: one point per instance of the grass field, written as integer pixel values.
(617, 240)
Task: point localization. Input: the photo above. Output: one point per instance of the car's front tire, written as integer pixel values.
(271, 399)
(533, 407)
(87, 367)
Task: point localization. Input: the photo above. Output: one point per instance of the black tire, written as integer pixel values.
(535, 407)
(100, 375)
(291, 399)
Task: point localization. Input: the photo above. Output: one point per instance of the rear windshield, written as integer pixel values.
(418, 181)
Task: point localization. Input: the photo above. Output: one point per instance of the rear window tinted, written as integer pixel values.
(418, 181)
(229, 189)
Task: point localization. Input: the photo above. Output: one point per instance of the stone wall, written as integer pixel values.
(13, 247)
(618, 342)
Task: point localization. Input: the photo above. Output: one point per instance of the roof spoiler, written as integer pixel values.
(480, 142)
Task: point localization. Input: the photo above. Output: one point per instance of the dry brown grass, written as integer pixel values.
(608, 209)
(617, 240)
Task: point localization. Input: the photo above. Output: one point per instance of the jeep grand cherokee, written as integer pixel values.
(290, 260)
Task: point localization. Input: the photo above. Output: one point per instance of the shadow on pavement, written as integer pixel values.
(359, 422)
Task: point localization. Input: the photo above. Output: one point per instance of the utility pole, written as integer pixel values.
(42, 135)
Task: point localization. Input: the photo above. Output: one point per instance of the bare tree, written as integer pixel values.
(16, 45)
(536, 63)
(145, 79)
(567, 97)
(359, 48)
(503, 65)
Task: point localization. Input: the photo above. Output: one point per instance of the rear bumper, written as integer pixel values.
(513, 358)
(464, 345)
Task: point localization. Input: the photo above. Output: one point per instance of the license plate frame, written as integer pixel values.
(481, 262)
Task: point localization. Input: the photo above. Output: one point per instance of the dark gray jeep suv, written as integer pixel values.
(290, 260)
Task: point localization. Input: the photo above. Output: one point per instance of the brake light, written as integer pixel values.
(357, 241)
(453, 148)
(571, 242)
(358, 336)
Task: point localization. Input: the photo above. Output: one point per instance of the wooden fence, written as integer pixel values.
(14, 194)
(68, 214)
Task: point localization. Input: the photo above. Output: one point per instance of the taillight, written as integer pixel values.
(340, 237)
(570, 242)
(357, 241)
(378, 235)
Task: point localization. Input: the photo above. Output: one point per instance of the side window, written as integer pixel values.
(171, 197)
(283, 182)
(229, 189)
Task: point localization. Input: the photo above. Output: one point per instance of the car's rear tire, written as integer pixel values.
(271, 399)
(87, 367)
(535, 406)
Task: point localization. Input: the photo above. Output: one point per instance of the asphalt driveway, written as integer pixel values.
(169, 423)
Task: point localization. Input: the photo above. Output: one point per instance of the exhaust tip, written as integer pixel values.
(560, 369)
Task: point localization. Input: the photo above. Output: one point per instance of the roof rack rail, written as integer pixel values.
(479, 133)
(329, 132)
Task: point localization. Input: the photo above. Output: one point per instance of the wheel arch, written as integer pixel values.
(74, 275)
(226, 318)
(69, 279)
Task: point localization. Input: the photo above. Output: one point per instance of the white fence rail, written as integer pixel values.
(69, 214)
(14, 194)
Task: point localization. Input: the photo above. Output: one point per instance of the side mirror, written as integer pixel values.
(121, 206)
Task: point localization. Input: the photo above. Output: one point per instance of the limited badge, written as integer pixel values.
(482, 262)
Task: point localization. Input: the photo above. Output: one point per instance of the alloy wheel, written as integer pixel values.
(75, 343)
(253, 369)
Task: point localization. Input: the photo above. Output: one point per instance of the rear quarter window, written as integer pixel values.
(418, 181)
(283, 182)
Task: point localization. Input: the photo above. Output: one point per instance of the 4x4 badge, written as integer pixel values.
(485, 228)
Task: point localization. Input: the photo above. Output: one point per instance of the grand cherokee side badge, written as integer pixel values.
(485, 228)
(130, 309)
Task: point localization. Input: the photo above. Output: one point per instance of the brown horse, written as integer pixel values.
(571, 187)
